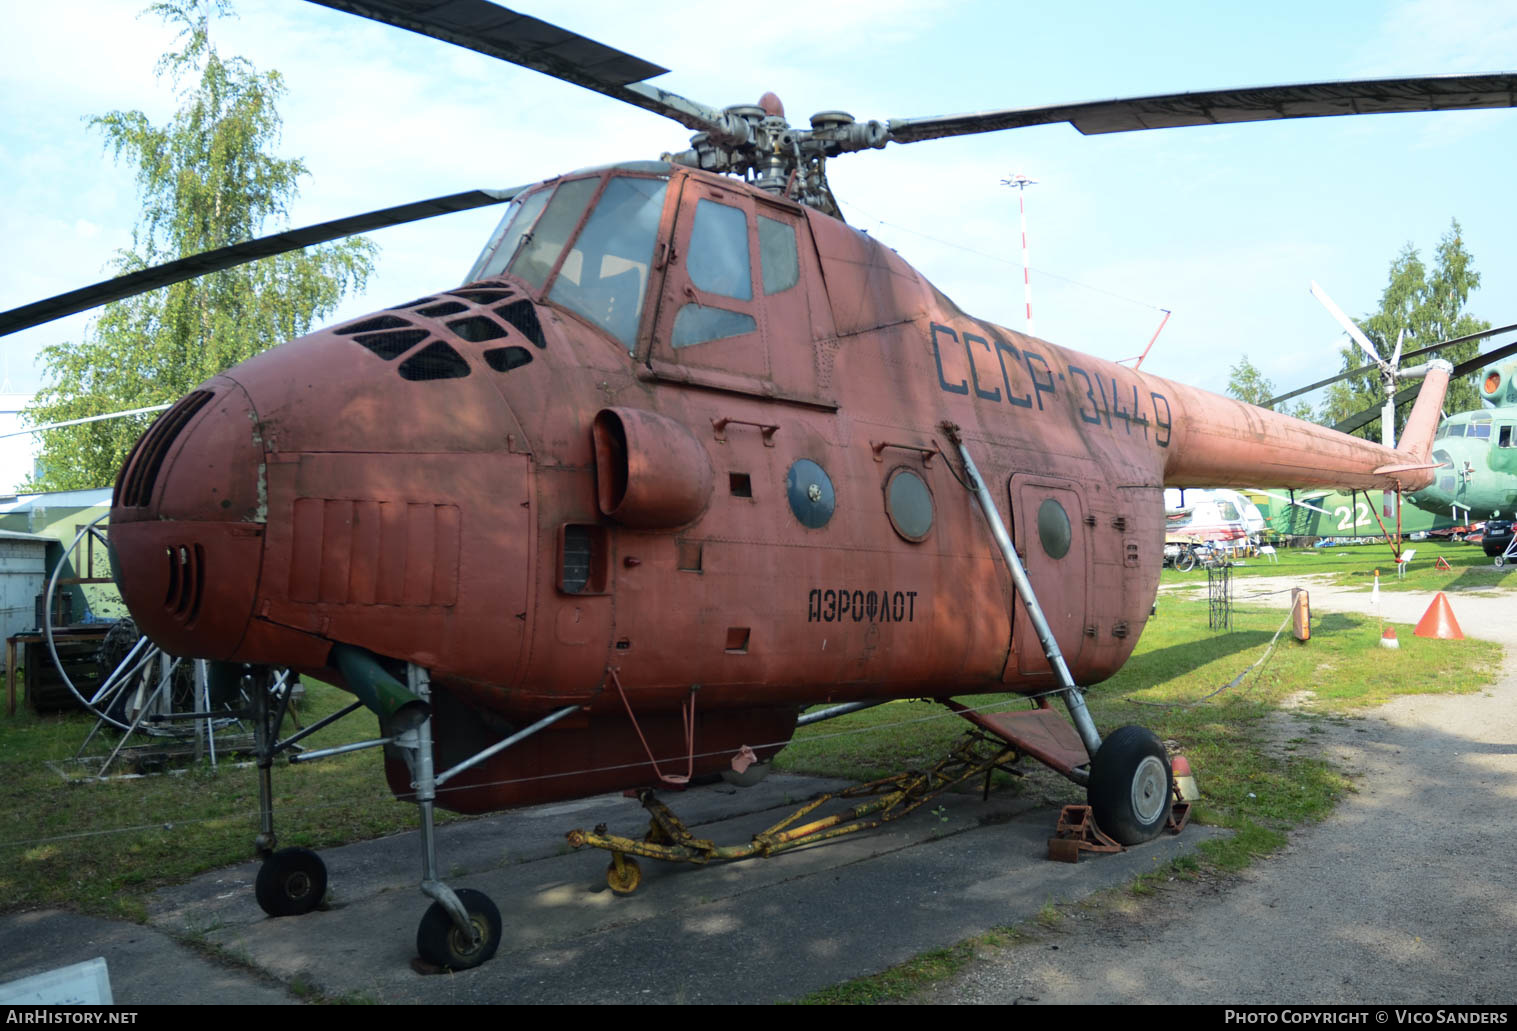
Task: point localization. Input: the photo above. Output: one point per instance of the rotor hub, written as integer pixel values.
(767, 151)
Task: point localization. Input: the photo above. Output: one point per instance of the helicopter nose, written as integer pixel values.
(187, 523)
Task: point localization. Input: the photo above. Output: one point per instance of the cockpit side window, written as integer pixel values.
(604, 277)
(541, 247)
(516, 223)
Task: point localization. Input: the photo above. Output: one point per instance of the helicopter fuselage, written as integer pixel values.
(675, 455)
(1476, 452)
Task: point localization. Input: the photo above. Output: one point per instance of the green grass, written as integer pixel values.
(1354, 565)
(103, 847)
(1178, 661)
(1253, 782)
(901, 982)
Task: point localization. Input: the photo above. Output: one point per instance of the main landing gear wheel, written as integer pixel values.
(290, 882)
(1185, 561)
(1131, 785)
(440, 942)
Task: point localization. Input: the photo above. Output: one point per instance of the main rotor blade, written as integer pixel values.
(89, 418)
(495, 31)
(1405, 394)
(143, 280)
(1409, 355)
(1221, 107)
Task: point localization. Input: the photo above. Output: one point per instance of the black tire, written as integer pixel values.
(1131, 785)
(1500, 561)
(1185, 561)
(290, 882)
(440, 942)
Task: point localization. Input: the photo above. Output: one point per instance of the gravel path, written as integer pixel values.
(1408, 893)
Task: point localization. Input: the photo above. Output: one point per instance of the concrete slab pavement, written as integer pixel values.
(760, 931)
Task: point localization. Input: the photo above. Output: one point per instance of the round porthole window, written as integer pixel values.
(1053, 528)
(908, 503)
(810, 492)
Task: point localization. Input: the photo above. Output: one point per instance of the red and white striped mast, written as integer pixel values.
(1021, 183)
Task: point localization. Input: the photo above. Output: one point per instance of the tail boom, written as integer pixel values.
(1222, 442)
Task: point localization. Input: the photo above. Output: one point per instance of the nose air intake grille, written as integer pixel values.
(186, 583)
(135, 488)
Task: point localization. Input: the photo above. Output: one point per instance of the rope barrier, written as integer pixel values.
(1234, 682)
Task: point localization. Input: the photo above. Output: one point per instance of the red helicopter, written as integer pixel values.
(685, 456)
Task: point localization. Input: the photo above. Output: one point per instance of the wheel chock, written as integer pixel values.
(1179, 816)
(1077, 832)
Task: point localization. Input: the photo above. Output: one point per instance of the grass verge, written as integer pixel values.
(103, 847)
(1257, 781)
(1355, 565)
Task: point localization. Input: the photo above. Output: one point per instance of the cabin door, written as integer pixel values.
(736, 311)
(1049, 531)
(709, 315)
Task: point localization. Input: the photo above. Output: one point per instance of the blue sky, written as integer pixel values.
(1225, 226)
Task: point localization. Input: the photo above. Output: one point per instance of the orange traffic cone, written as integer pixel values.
(1388, 639)
(1438, 621)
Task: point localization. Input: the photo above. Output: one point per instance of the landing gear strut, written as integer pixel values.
(460, 929)
(1129, 784)
(291, 881)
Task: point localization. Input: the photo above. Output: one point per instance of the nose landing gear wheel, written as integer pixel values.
(440, 942)
(290, 882)
(1131, 785)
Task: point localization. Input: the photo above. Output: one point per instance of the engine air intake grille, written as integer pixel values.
(186, 582)
(139, 474)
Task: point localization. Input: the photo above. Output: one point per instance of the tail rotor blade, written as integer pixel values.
(1348, 326)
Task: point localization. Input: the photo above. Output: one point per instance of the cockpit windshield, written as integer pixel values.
(604, 275)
